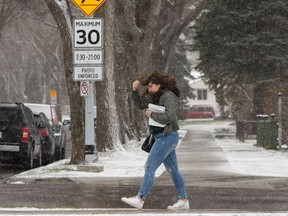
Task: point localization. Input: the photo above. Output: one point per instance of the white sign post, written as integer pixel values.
(88, 60)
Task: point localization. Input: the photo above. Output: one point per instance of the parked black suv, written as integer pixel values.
(20, 140)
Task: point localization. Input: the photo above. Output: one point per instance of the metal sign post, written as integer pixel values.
(89, 126)
(88, 60)
(280, 120)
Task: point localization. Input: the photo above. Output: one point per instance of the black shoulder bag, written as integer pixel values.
(148, 143)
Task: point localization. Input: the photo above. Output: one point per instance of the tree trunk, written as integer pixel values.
(63, 18)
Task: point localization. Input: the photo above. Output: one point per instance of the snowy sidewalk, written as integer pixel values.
(245, 157)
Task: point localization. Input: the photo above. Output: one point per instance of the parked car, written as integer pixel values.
(49, 110)
(20, 140)
(48, 139)
(60, 137)
(197, 111)
(59, 133)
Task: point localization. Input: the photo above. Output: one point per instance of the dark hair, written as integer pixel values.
(143, 78)
(165, 81)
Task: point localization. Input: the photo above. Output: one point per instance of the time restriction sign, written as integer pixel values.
(84, 57)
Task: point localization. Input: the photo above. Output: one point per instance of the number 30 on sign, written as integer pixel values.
(88, 33)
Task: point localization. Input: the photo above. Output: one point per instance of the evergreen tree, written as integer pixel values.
(180, 68)
(243, 41)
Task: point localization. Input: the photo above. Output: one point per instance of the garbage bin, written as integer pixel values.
(267, 131)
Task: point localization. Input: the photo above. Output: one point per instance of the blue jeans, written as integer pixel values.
(163, 151)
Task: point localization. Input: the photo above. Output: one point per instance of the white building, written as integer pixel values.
(204, 96)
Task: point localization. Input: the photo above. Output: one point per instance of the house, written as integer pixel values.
(204, 96)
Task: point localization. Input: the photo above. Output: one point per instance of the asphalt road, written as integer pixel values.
(211, 183)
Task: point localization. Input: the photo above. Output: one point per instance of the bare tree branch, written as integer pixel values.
(129, 8)
(195, 10)
(244, 92)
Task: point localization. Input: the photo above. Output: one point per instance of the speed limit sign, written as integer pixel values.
(88, 33)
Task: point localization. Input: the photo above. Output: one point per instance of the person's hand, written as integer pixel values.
(136, 85)
(148, 112)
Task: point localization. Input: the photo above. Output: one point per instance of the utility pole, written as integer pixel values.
(280, 120)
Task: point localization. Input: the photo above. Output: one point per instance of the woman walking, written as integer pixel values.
(162, 91)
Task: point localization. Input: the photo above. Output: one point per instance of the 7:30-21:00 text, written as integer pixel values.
(89, 57)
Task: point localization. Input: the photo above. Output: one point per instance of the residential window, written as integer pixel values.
(202, 94)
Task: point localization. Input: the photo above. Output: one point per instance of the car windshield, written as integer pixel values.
(201, 109)
(193, 109)
(10, 116)
(38, 119)
(210, 109)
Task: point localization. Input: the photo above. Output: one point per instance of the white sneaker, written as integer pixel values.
(180, 204)
(135, 201)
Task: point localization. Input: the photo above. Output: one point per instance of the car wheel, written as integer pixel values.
(47, 158)
(40, 159)
(29, 162)
(63, 153)
(62, 156)
(57, 154)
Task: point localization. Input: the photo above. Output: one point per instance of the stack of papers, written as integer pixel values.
(156, 109)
